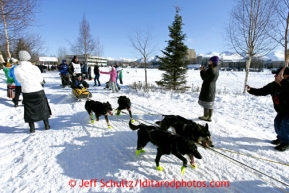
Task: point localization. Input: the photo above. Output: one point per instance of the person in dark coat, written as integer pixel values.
(84, 70)
(79, 88)
(96, 75)
(208, 90)
(279, 91)
(80, 83)
(64, 74)
(36, 107)
(89, 72)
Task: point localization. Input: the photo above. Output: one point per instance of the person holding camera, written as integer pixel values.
(279, 90)
(208, 90)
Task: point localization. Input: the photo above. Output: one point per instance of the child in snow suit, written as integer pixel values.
(112, 80)
(17, 86)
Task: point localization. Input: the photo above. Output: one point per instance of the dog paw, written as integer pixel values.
(116, 112)
(183, 170)
(92, 121)
(194, 166)
(109, 126)
(139, 151)
(160, 168)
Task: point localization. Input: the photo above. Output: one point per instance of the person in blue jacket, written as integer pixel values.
(64, 74)
(17, 86)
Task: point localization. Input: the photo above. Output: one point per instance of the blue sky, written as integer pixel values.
(112, 20)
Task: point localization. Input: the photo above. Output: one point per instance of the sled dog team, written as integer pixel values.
(179, 143)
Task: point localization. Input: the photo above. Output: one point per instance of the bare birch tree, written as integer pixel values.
(248, 30)
(98, 49)
(85, 43)
(16, 16)
(142, 42)
(62, 52)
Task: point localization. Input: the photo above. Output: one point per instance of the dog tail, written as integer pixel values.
(133, 127)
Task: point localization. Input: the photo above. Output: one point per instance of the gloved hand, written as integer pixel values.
(80, 85)
(73, 74)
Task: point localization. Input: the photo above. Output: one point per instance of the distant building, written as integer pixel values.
(91, 60)
(191, 56)
(48, 60)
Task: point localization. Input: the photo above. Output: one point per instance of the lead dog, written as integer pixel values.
(187, 128)
(99, 109)
(166, 142)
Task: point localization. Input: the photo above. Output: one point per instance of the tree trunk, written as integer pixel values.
(247, 73)
(286, 42)
(5, 33)
(145, 67)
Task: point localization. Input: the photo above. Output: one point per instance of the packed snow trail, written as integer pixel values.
(75, 151)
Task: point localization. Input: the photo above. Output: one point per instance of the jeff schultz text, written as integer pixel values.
(145, 183)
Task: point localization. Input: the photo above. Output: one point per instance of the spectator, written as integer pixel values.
(120, 76)
(208, 90)
(89, 73)
(36, 106)
(96, 75)
(117, 71)
(9, 80)
(279, 91)
(17, 85)
(112, 79)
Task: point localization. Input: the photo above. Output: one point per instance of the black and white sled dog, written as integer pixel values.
(166, 142)
(124, 103)
(187, 128)
(99, 109)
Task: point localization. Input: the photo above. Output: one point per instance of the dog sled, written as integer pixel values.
(82, 93)
(107, 85)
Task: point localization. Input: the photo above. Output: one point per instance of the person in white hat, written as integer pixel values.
(36, 107)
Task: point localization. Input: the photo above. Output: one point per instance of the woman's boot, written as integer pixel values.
(46, 124)
(32, 127)
(210, 115)
(206, 115)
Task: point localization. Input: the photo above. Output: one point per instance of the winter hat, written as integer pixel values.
(215, 60)
(24, 55)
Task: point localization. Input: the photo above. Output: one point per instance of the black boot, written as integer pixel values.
(32, 127)
(46, 124)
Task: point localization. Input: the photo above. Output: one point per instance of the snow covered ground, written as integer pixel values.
(76, 156)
